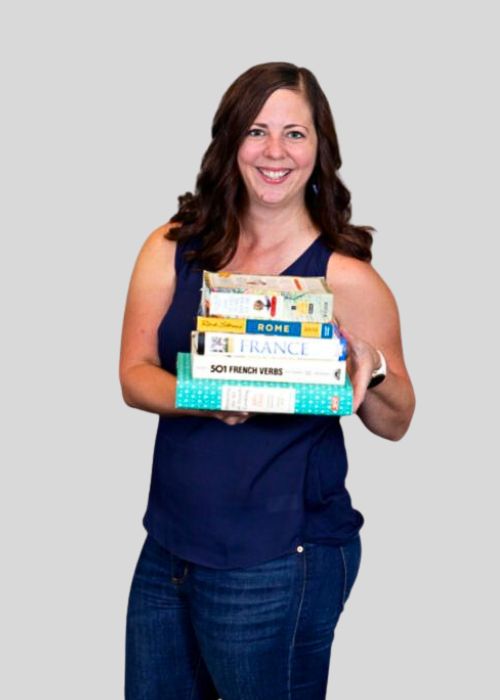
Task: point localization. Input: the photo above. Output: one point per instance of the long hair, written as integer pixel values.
(211, 214)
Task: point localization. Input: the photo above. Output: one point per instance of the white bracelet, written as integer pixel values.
(379, 374)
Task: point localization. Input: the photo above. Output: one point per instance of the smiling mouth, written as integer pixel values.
(274, 176)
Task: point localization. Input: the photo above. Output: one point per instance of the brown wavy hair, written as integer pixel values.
(212, 213)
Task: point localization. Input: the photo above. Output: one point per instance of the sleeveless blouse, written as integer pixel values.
(228, 496)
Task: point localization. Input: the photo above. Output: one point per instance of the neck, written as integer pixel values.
(264, 228)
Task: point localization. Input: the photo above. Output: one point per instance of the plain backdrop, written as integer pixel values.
(106, 113)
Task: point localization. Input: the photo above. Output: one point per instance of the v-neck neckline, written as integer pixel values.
(302, 255)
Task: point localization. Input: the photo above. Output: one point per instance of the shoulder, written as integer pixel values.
(346, 275)
(158, 245)
(362, 298)
(344, 272)
(156, 258)
(154, 269)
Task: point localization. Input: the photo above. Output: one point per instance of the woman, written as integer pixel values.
(253, 545)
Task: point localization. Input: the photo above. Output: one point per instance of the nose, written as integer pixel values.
(274, 147)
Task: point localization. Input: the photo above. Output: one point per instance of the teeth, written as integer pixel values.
(274, 174)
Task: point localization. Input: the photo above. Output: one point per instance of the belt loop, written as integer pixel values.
(178, 569)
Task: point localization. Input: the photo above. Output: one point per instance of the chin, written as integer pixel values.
(272, 198)
(269, 199)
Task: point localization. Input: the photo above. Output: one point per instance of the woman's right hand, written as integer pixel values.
(230, 417)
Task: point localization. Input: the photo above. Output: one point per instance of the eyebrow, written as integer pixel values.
(287, 126)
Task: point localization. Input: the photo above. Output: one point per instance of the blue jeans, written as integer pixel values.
(258, 633)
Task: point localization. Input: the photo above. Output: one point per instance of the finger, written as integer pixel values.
(235, 418)
(359, 395)
(343, 331)
(352, 341)
(355, 345)
(350, 337)
(360, 385)
(244, 417)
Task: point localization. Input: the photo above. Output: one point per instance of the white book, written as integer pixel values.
(302, 371)
(283, 297)
(275, 346)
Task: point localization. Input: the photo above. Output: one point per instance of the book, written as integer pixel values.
(259, 396)
(270, 369)
(304, 329)
(276, 346)
(282, 297)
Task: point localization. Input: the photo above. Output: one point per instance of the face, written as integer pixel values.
(278, 153)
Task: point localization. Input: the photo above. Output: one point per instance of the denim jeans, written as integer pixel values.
(258, 633)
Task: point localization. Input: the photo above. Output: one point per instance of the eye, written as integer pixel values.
(295, 135)
(255, 132)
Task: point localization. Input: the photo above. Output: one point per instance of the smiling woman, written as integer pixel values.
(253, 544)
(278, 154)
(214, 213)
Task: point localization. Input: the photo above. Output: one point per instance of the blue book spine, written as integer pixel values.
(294, 328)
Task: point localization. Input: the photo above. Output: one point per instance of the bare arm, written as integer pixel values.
(368, 315)
(145, 384)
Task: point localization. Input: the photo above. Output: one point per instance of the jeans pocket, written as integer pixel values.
(351, 558)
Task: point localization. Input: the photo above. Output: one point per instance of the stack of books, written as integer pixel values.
(265, 344)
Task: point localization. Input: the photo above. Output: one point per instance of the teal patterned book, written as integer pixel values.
(259, 397)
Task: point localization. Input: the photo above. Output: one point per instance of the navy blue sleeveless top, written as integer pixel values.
(234, 496)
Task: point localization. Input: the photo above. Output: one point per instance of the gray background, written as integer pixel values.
(106, 113)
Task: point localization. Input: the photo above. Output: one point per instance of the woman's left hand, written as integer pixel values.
(362, 360)
(368, 316)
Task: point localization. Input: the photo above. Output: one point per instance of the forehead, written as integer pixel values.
(287, 106)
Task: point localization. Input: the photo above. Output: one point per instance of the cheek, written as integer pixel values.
(309, 159)
(242, 160)
(247, 153)
(242, 166)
